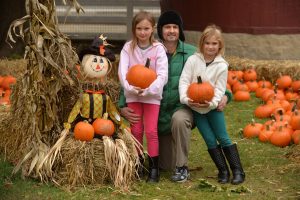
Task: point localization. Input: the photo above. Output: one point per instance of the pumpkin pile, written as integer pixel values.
(5, 88)
(281, 102)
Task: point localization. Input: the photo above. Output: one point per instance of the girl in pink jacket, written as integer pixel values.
(145, 102)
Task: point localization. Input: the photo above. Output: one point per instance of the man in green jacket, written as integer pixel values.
(175, 119)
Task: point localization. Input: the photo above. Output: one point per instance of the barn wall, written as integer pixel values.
(239, 16)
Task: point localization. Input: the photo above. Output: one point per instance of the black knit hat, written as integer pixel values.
(94, 49)
(170, 17)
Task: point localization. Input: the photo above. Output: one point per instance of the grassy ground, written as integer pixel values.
(269, 174)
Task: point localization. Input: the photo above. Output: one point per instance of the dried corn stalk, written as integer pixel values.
(36, 113)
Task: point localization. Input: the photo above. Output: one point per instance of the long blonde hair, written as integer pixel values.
(212, 30)
(140, 16)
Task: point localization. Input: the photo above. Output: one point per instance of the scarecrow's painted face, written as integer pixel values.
(95, 67)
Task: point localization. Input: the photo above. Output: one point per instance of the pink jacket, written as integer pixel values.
(158, 62)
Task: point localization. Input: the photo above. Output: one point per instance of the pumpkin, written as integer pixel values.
(296, 136)
(290, 95)
(8, 81)
(252, 130)
(250, 75)
(241, 96)
(295, 85)
(239, 74)
(263, 111)
(284, 81)
(267, 94)
(260, 91)
(265, 134)
(83, 131)
(239, 86)
(252, 85)
(295, 121)
(281, 137)
(285, 104)
(104, 126)
(141, 75)
(201, 91)
(232, 78)
(264, 84)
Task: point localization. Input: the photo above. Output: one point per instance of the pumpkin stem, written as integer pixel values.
(105, 116)
(147, 63)
(199, 79)
(294, 106)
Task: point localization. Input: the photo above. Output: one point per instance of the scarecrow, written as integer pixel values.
(94, 103)
(98, 128)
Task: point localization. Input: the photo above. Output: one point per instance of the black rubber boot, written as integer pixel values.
(233, 158)
(153, 176)
(140, 168)
(217, 156)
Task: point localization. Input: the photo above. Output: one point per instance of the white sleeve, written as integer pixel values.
(185, 80)
(220, 85)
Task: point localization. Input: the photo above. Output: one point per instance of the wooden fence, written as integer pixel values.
(109, 17)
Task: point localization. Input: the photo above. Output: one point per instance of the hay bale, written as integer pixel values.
(81, 163)
(15, 68)
(268, 69)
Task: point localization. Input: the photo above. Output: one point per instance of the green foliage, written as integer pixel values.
(269, 174)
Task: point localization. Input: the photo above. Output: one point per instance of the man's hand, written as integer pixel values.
(222, 103)
(129, 114)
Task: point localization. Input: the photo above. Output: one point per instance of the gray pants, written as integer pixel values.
(174, 148)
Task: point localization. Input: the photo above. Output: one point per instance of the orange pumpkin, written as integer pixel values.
(252, 130)
(281, 137)
(141, 75)
(263, 111)
(284, 81)
(83, 131)
(104, 126)
(240, 86)
(295, 85)
(252, 85)
(260, 91)
(250, 75)
(265, 134)
(241, 96)
(232, 78)
(264, 84)
(7, 82)
(296, 136)
(295, 121)
(201, 91)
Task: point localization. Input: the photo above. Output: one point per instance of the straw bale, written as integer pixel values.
(81, 163)
(15, 67)
(268, 69)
